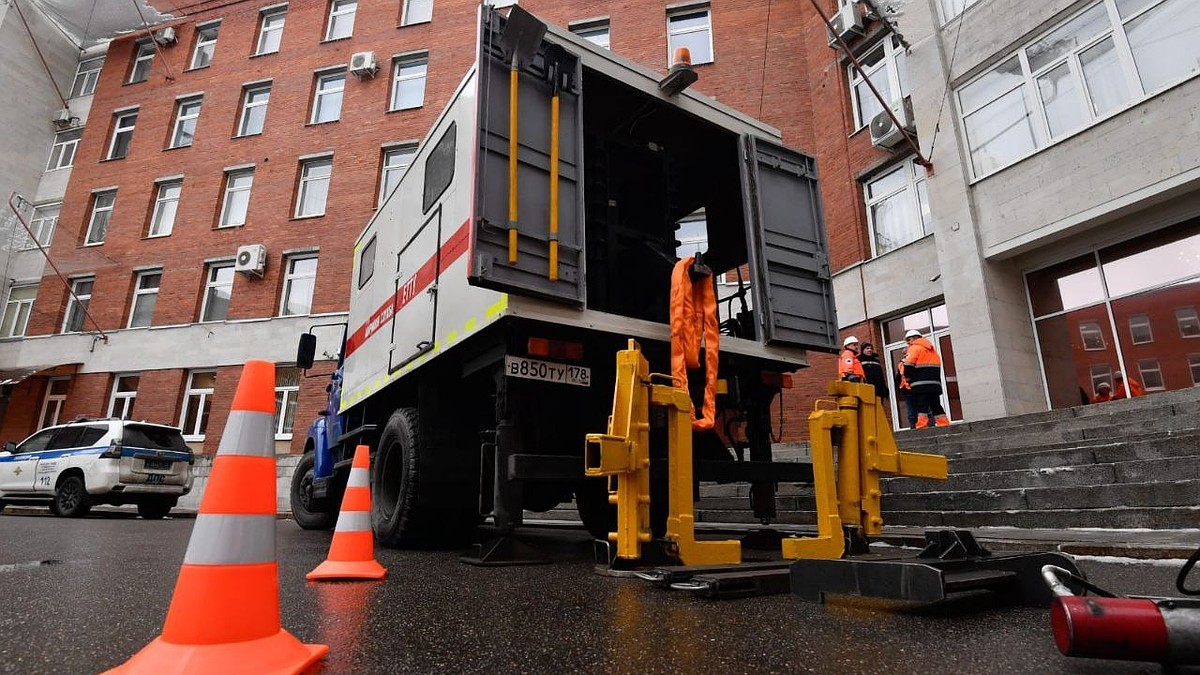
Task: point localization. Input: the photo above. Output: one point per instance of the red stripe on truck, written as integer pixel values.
(413, 286)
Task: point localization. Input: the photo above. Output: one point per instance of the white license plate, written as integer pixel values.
(547, 371)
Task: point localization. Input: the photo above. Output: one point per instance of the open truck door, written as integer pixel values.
(788, 253)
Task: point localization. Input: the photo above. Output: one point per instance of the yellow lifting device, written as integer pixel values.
(623, 454)
(850, 503)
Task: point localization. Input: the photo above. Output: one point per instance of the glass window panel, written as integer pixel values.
(887, 184)
(894, 329)
(1172, 254)
(417, 11)
(1060, 100)
(271, 32)
(941, 318)
(1128, 8)
(217, 293)
(1139, 329)
(895, 222)
(341, 19)
(697, 44)
(1091, 336)
(1189, 324)
(692, 236)
(1078, 31)
(868, 105)
(1066, 362)
(1194, 368)
(989, 87)
(408, 86)
(1000, 133)
(1152, 376)
(327, 103)
(237, 198)
(1166, 43)
(1107, 86)
(254, 110)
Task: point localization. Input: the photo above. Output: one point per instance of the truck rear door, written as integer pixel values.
(787, 249)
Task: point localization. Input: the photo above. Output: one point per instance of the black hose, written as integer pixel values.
(1183, 574)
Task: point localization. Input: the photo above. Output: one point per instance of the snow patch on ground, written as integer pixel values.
(1117, 560)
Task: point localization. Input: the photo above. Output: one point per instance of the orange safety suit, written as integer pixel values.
(1135, 389)
(849, 367)
(922, 368)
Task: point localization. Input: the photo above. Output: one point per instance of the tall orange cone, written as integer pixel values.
(352, 553)
(224, 616)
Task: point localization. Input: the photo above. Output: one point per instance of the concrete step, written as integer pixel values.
(1157, 446)
(1164, 517)
(1174, 493)
(1015, 441)
(1136, 471)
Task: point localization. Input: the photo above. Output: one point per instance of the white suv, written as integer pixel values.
(72, 467)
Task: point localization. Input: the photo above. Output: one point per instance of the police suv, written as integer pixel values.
(71, 467)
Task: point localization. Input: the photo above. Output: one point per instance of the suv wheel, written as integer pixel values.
(309, 512)
(155, 509)
(71, 498)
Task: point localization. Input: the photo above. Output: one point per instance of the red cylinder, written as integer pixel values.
(1128, 629)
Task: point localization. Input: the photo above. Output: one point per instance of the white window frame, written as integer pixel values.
(269, 30)
(166, 208)
(1151, 371)
(1089, 328)
(308, 182)
(500, 4)
(592, 30)
(328, 83)
(249, 106)
(203, 394)
(1186, 316)
(126, 398)
(914, 188)
(284, 394)
(187, 118)
(101, 212)
(230, 191)
(396, 160)
(205, 45)
(140, 292)
(19, 310)
(337, 10)
(1142, 323)
(290, 276)
(425, 7)
(62, 153)
(80, 301)
(212, 283)
(891, 60)
(43, 224)
(679, 12)
(1194, 367)
(401, 78)
(143, 55)
(123, 125)
(52, 400)
(86, 78)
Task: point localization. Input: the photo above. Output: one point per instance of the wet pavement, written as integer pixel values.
(83, 595)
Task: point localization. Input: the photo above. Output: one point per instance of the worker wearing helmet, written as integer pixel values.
(923, 370)
(1103, 393)
(849, 368)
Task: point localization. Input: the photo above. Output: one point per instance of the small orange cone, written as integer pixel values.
(352, 553)
(224, 616)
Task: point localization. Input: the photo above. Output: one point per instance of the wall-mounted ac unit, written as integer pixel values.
(165, 36)
(847, 22)
(885, 133)
(363, 64)
(63, 118)
(251, 259)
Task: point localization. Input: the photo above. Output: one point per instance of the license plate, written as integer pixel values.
(547, 371)
(156, 479)
(158, 463)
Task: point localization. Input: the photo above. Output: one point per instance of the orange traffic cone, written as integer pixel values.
(352, 553)
(224, 616)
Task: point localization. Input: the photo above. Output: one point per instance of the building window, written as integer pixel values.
(166, 205)
(206, 44)
(596, 32)
(1189, 324)
(692, 235)
(366, 263)
(254, 109)
(143, 57)
(287, 392)
(498, 4)
(327, 98)
(898, 207)
(218, 288)
(145, 297)
(42, 222)
(187, 113)
(270, 30)
(122, 134)
(17, 311)
(102, 208)
(887, 68)
(1100, 372)
(1093, 338)
(56, 396)
(408, 82)
(237, 197)
(341, 19)
(197, 400)
(86, 77)
(417, 11)
(1194, 367)
(124, 395)
(1139, 329)
(395, 161)
(300, 276)
(952, 8)
(314, 187)
(690, 27)
(1084, 70)
(1152, 378)
(62, 153)
(77, 304)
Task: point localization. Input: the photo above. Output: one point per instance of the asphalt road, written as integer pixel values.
(83, 595)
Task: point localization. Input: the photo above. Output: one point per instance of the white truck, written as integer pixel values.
(474, 367)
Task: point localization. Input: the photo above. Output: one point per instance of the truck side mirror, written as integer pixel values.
(306, 351)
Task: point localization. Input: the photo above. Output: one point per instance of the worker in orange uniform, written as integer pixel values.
(923, 371)
(1135, 387)
(849, 368)
(1103, 393)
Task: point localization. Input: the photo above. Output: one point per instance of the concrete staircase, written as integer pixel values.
(1125, 464)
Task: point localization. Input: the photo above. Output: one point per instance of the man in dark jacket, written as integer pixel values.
(873, 370)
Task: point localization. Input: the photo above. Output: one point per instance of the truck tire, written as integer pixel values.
(598, 516)
(309, 513)
(415, 499)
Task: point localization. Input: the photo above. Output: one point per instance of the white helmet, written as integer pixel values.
(850, 341)
(912, 333)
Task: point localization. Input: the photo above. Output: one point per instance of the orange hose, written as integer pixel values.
(694, 311)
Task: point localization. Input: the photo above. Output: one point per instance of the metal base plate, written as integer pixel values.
(501, 552)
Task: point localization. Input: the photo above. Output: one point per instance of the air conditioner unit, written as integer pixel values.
(884, 132)
(165, 36)
(847, 22)
(251, 259)
(63, 118)
(363, 64)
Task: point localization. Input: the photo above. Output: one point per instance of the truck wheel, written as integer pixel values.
(2, 505)
(598, 516)
(415, 499)
(310, 513)
(156, 509)
(71, 498)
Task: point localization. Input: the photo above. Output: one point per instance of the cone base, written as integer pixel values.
(347, 569)
(279, 654)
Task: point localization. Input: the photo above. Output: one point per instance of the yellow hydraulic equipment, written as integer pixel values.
(624, 454)
(850, 502)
